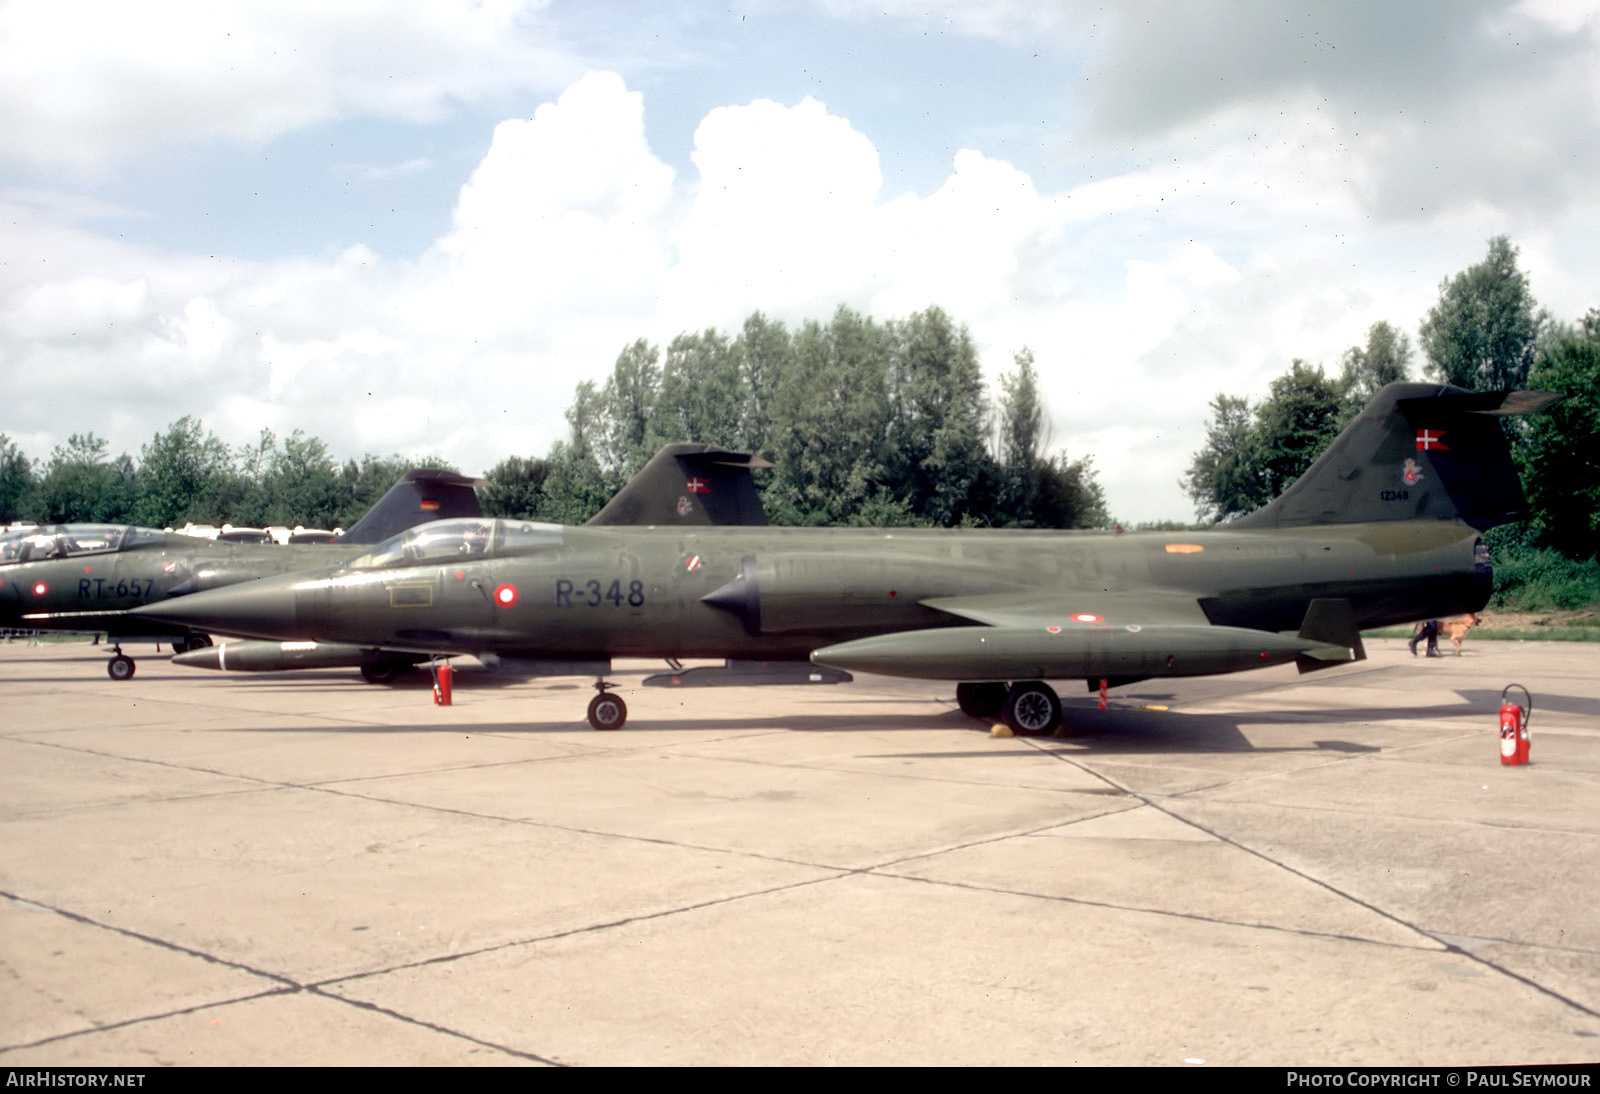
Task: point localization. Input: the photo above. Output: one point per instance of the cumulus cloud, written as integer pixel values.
(1437, 103)
(788, 216)
(779, 213)
(87, 85)
(563, 211)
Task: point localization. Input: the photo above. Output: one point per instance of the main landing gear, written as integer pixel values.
(1028, 706)
(607, 711)
(385, 671)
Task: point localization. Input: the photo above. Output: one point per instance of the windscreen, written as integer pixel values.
(71, 540)
(459, 540)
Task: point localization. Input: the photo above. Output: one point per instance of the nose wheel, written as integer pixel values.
(120, 667)
(607, 710)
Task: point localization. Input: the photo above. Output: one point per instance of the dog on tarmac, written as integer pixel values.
(1456, 627)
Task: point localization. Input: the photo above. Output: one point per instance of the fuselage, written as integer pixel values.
(140, 566)
(774, 593)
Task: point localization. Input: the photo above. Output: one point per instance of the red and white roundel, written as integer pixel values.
(1086, 617)
(40, 588)
(505, 595)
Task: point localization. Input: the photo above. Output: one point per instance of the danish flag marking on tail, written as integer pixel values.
(1430, 440)
(699, 486)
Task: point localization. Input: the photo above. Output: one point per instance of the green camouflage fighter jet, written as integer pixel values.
(99, 569)
(1382, 529)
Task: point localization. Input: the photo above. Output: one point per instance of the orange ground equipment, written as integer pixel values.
(1514, 719)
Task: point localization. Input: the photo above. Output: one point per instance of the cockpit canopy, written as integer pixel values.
(71, 540)
(457, 540)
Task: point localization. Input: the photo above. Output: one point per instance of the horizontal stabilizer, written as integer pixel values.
(1503, 404)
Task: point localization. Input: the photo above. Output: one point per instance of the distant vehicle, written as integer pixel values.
(230, 534)
(1382, 528)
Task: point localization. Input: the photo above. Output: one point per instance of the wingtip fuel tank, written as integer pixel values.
(1057, 652)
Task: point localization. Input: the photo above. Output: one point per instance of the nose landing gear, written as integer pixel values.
(121, 666)
(607, 711)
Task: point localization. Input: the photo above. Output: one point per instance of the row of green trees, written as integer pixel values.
(186, 474)
(1485, 333)
(866, 423)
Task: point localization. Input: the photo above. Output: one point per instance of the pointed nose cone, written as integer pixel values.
(255, 609)
(208, 657)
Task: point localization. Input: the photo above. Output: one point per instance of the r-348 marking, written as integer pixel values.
(590, 594)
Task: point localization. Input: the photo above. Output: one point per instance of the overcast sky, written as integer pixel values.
(412, 227)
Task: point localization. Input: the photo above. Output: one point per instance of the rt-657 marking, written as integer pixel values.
(104, 590)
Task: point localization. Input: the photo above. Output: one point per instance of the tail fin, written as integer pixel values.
(689, 484)
(421, 495)
(1417, 452)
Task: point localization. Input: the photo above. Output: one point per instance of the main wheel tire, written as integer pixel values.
(981, 700)
(1032, 707)
(385, 672)
(607, 711)
(191, 642)
(120, 667)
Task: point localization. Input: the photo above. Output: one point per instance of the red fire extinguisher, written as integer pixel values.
(1514, 727)
(443, 679)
